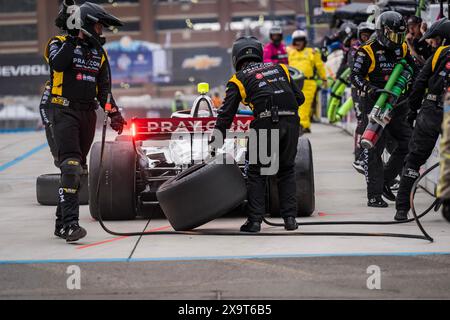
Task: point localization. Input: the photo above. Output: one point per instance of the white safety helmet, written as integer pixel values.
(299, 34)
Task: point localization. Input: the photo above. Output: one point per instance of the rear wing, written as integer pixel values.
(163, 128)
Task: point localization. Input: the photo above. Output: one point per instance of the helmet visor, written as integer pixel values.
(394, 36)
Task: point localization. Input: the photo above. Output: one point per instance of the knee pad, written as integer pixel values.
(70, 175)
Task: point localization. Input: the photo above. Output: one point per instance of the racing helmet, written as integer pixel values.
(276, 30)
(347, 31)
(390, 29)
(439, 28)
(365, 27)
(247, 48)
(91, 13)
(299, 35)
(63, 15)
(414, 20)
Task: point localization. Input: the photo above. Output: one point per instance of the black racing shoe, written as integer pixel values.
(251, 226)
(60, 232)
(358, 165)
(377, 202)
(401, 215)
(388, 194)
(446, 210)
(290, 223)
(74, 233)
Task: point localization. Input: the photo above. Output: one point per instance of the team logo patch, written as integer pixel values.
(79, 77)
(259, 76)
(447, 66)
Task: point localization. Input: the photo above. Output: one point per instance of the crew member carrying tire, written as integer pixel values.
(80, 81)
(269, 91)
(309, 61)
(434, 77)
(373, 66)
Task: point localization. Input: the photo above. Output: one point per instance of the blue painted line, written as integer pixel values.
(200, 258)
(22, 157)
(19, 130)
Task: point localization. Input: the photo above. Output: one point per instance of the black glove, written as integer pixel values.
(215, 142)
(72, 40)
(411, 117)
(373, 93)
(117, 122)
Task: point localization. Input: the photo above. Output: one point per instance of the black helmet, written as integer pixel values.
(365, 27)
(63, 15)
(414, 20)
(439, 28)
(347, 31)
(391, 29)
(91, 13)
(246, 48)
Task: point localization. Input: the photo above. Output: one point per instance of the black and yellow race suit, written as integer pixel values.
(79, 82)
(274, 98)
(426, 95)
(371, 70)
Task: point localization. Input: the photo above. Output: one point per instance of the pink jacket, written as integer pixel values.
(275, 54)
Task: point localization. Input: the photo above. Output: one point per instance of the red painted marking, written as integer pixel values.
(100, 242)
(118, 238)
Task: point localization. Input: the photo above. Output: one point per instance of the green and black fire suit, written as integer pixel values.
(371, 69)
(274, 99)
(434, 77)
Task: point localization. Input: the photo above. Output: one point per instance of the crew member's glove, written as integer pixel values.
(411, 117)
(373, 93)
(215, 142)
(117, 121)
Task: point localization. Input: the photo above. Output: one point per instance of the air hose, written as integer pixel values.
(237, 233)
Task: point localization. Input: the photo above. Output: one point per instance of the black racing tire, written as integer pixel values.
(304, 176)
(47, 186)
(117, 194)
(202, 193)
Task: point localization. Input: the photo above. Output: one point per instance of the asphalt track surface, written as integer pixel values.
(36, 265)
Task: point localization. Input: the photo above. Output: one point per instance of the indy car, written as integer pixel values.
(170, 153)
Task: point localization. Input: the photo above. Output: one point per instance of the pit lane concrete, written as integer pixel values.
(33, 262)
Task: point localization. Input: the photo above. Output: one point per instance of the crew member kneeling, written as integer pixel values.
(268, 90)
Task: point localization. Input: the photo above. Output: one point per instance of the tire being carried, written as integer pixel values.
(117, 195)
(202, 193)
(47, 186)
(304, 176)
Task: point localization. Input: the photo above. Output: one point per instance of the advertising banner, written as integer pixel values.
(22, 74)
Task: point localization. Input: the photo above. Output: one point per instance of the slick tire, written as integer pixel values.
(47, 187)
(117, 196)
(202, 193)
(304, 176)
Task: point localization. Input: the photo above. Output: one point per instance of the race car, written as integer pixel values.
(163, 151)
(166, 160)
